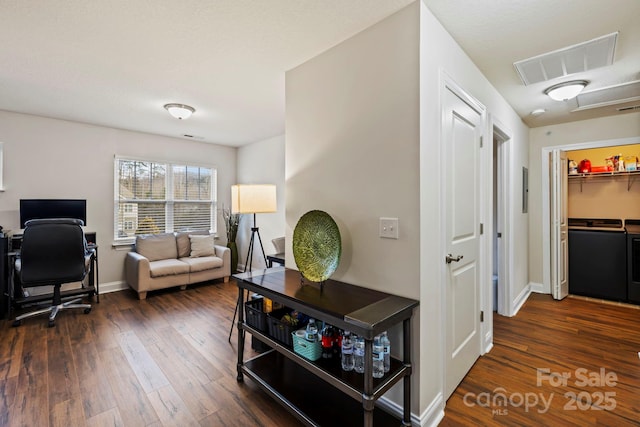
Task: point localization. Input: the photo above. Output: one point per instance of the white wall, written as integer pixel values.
(48, 158)
(363, 142)
(586, 131)
(440, 53)
(261, 163)
(352, 150)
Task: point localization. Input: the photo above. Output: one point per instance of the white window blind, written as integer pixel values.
(156, 197)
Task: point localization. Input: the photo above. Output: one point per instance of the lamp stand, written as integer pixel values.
(254, 231)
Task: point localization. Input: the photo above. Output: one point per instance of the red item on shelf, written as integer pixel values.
(596, 169)
(585, 166)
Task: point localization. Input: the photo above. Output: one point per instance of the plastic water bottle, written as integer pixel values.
(347, 352)
(378, 357)
(386, 346)
(358, 354)
(312, 331)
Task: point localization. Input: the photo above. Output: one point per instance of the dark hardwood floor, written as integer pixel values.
(166, 361)
(575, 362)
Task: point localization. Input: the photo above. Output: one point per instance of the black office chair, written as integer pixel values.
(53, 252)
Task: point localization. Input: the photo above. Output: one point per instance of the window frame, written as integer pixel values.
(169, 199)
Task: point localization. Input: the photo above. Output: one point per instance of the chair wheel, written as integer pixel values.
(16, 323)
(87, 310)
(52, 323)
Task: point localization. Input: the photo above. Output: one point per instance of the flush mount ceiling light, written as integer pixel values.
(180, 111)
(567, 90)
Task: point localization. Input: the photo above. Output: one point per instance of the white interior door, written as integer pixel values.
(559, 224)
(462, 132)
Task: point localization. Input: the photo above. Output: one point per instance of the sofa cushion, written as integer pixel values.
(184, 243)
(157, 246)
(168, 267)
(202, 246)
(203, 263)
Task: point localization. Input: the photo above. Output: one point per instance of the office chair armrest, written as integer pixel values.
(136, 268)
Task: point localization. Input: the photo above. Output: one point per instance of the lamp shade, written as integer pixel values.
(253, 198)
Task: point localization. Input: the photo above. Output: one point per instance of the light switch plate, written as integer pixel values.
(389, 228)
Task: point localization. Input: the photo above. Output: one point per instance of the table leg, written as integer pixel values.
(368, 402)
(97, 277)
(240, 333)
(406, 340)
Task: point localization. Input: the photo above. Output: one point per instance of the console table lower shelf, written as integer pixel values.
(309, 398)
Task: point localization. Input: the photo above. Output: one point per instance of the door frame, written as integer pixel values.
(505, 208)
(545, 169)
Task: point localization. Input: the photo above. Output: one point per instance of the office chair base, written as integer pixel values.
(53, 310)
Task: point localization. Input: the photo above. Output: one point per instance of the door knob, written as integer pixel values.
(449, 258)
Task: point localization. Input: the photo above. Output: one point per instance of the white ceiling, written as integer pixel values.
(117, 62)
(497, 33)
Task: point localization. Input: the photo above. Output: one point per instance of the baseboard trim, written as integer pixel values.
(537, 288)
(521, 299)
(488, 343)
(431, 417)
(434, 413)
(106, 288)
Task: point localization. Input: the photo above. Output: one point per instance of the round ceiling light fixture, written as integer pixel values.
(567, 90)
(180, 111)
(538, 112)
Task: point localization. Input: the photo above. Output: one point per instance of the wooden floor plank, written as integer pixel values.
(146, 369)
(95, 389)
(11, 346)
(188, 371)
(8, 389)
(68, 413)
(129, 396)
(61, 369)
(171, 408)
(31, 403)
(110, 418)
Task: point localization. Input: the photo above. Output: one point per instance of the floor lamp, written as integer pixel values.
(252, 199)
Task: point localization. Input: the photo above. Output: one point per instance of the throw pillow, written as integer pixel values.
(157, 246)
(184, 244)
(201, 246)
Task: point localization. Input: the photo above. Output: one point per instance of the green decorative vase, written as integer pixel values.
(234, 256)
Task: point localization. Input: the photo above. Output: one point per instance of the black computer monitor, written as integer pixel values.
(52, 208)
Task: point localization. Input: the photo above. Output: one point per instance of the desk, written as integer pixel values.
(4, 277)
(279, 258)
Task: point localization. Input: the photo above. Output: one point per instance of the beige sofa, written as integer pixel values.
(166, 260)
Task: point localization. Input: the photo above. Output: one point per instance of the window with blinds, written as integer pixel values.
(154, 197)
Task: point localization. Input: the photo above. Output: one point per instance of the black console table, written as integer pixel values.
(310, 390)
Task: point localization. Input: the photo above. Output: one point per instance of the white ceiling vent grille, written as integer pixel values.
(581, 57)
(632, 108)
(611, 95)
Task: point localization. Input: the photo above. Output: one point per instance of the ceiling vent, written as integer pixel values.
(581, 57)
(632, 108)
(611, 95)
